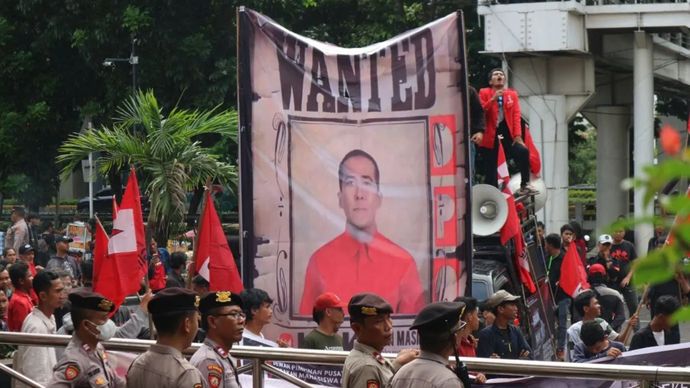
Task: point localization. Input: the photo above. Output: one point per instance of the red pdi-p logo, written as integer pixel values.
(445, 217)
(442, 145)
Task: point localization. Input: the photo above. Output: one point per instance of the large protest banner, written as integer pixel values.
(354, 170)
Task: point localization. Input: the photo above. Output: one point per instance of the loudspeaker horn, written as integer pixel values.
(489, 210)
(537, 183)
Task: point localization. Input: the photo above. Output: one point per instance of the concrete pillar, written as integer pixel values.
(612, 124)
(643, 102)
(547, 118)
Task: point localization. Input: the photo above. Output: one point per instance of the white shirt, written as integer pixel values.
(36, 362)
(573, 335)
(659, 337)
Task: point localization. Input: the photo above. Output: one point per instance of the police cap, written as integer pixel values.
(368, 305)
(174, 300)
(218, 299)
(440, 316)
(88, 300)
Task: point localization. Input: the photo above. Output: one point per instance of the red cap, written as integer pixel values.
(597, 268)
(328, 300)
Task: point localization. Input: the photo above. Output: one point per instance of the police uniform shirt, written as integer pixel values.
(428, 371)
(163, 366)
(365, 367)
(84, 366)
(215, 365)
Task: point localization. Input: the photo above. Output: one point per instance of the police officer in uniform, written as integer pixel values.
(223, 320)
(365, 367)
(176, 317)
(84, 362)
(438, 324)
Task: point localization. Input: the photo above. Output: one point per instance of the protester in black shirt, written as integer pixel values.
(658, 332)
(554, 260)
(177, 263)
(623, 254)
(603, 257)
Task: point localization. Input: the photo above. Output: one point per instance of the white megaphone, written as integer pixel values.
(489, 210)
(537, 183)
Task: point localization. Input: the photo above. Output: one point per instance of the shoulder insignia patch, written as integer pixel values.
(215, 368)
(71, 372)
(373, 384)
(213, 381)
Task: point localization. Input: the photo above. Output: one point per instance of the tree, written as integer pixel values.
(164, 148)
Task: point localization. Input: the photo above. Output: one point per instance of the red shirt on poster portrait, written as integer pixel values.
(346, 267)
(511, 114)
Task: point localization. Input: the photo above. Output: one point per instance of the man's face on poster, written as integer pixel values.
(359, 195)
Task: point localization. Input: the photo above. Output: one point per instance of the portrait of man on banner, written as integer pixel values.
(360, 212)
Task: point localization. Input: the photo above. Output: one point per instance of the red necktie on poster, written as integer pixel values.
(214, 259)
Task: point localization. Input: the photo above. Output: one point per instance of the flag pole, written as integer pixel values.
(192, 268)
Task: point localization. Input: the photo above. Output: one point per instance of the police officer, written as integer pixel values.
(438, 324)
(175, 315)
(365, 367)
(84, 362)
(223, 320)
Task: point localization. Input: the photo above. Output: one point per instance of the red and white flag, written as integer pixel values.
(214, 260)
(573, 275)
(125, 265)
(512, 229)
(100, 251)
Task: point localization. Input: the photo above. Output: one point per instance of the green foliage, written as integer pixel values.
(582, 196)
(165, 148)
(582, 152)
(663, 264)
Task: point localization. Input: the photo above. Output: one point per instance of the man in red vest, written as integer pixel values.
(502, 114)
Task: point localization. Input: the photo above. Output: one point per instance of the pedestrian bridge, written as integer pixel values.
(605, 60)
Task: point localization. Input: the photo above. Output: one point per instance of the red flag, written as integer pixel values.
(121, 273)
(214, 260)
(511, 228)
(100, 251)
(522, 264)
(573, 276)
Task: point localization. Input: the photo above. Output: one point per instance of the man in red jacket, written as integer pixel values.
(502, 113)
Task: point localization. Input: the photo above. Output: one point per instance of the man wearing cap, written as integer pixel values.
(328, 315)
(603, 257)
(438, 325)
(18, 234)
(223, 319)
(26, 254)
(612, 304)
(362, 258)
(365, 367)
(62, 261)
(84, 362)
(176, 317)
(502, 339)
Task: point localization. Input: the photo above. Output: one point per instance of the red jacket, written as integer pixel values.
(534, 157)
(511, 113)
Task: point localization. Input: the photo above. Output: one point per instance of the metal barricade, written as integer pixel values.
(260, 357)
